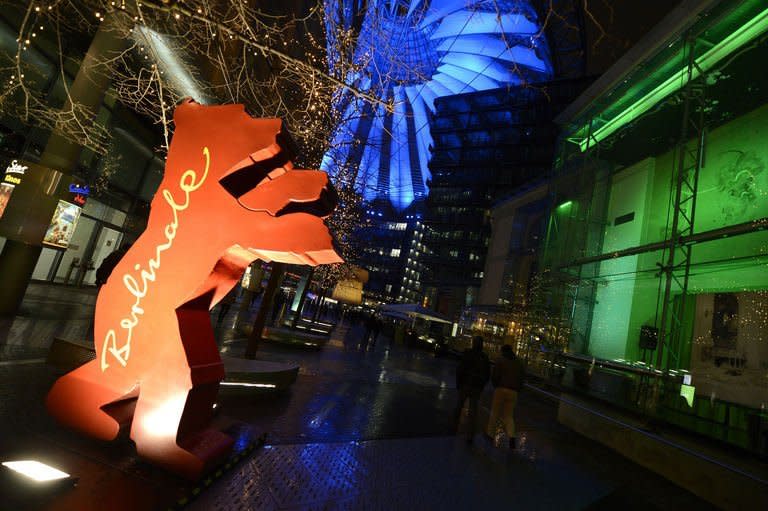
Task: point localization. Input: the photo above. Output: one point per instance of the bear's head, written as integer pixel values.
(251, 181)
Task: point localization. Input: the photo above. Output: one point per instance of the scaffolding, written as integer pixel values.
(676, 256)
(656, 247)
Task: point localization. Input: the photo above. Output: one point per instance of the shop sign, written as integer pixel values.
(79, 189)
(79, 193)
(13, 174)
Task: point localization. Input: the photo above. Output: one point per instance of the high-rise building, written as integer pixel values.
(487, 144)
(385, 251)
(409, 54)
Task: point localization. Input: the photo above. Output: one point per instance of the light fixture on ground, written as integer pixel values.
(36, 470)
(245, 384)
(33, 476)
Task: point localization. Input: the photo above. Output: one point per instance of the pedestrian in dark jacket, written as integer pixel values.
(472, 374)
(108, 264)
(507, 378)
(375, 330)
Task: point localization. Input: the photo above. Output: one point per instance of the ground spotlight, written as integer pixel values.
(36, 471)
(27, 481)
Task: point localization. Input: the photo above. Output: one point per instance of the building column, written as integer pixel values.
(18, 259)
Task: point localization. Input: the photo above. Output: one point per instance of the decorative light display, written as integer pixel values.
(629, 106)
(408, 53)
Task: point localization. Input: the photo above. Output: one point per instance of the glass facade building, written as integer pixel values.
(657, 249)
(487, 145)
(409, 53)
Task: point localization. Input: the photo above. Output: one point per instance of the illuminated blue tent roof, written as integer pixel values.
(409, 52)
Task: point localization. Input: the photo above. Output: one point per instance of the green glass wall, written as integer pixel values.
(609, 240)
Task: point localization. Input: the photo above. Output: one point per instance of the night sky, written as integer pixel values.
(621, 24)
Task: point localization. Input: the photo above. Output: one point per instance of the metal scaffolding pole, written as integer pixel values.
(676, 258)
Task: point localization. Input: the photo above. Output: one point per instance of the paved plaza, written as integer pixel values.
(358, 430)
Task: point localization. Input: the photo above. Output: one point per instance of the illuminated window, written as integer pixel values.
(395, 252)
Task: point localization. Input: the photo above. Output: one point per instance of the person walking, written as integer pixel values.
(108, 264)
(472, 374)
(370, 328)
(507, 379)
(375, 330)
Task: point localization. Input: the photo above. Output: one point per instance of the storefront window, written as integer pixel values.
(621, 186)
(96, 235)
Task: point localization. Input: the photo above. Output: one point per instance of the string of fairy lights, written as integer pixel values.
(227, 52)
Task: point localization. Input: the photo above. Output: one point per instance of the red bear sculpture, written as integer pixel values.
(229, 195)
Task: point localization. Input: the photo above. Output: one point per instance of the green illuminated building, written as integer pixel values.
(657, 248)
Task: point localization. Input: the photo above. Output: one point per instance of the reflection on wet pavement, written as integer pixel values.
(368, 429)
(374, 430)
(47, 312)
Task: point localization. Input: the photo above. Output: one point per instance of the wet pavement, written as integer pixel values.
(46, 312)
(358, 430)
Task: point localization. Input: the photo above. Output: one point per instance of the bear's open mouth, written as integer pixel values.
(245, 179)
(268, 164)
(323, 206)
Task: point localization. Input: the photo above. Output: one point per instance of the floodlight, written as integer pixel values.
(36, 471)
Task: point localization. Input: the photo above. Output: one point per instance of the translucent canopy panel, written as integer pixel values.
(408, 53)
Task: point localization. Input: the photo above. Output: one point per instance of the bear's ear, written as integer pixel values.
(184, 109)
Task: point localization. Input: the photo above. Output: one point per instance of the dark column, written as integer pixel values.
(278, 269)
(303, 297)
(18, 259)
(22, 258)
(320, 300)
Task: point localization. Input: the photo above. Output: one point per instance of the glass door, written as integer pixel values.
(73, 259)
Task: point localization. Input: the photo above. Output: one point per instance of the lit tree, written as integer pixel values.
(272, 56)
(271, 63)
